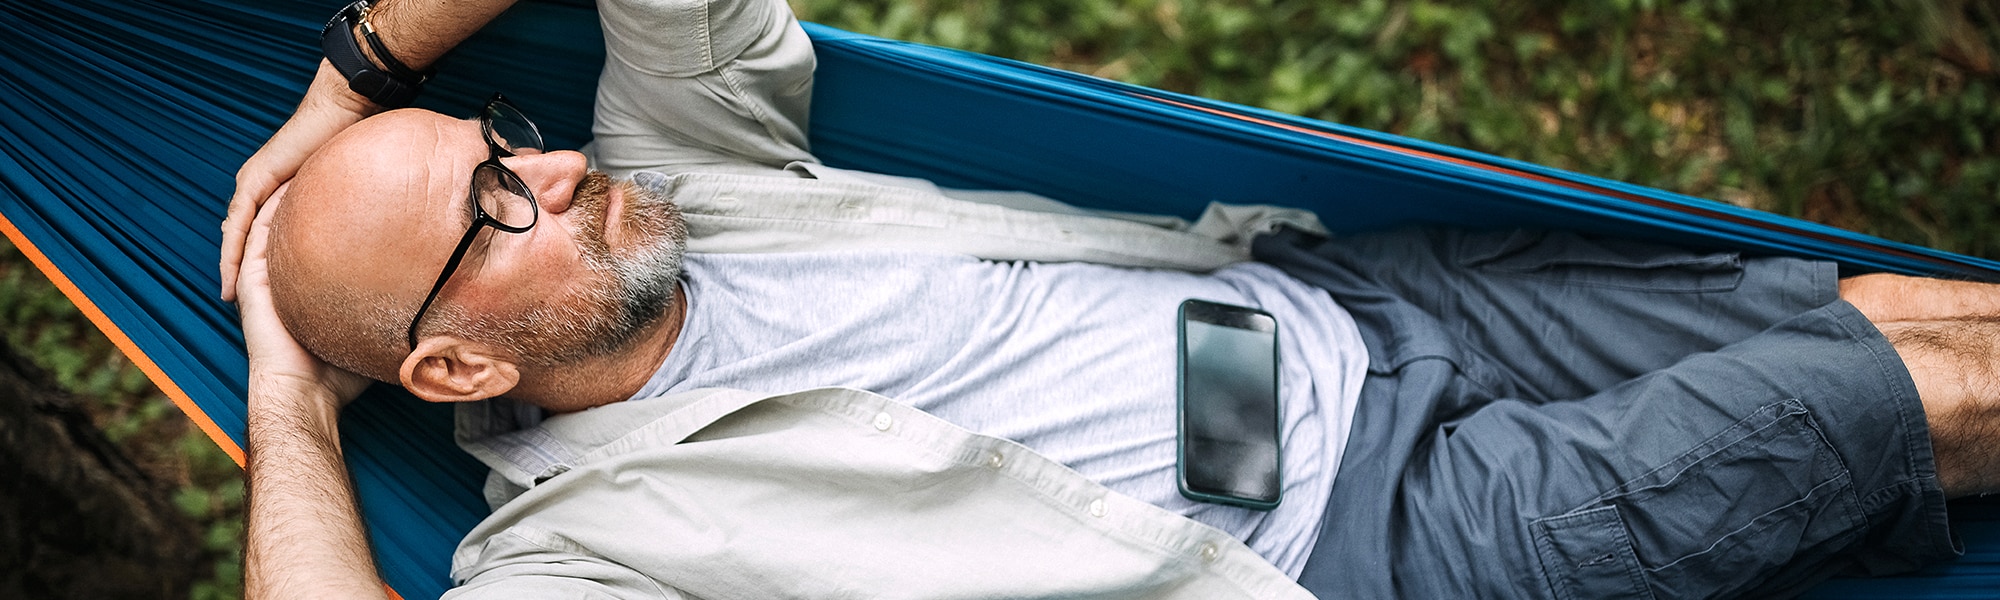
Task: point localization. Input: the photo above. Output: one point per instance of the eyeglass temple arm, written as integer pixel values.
(450, 266)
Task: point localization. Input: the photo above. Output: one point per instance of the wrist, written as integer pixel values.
(371, 69)
(290, 399)
(389, 51)
(329, 91)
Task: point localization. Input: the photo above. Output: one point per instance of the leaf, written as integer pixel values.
(192, 501)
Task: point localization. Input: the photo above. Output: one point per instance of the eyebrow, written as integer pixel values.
(486, 153)
(468, 201)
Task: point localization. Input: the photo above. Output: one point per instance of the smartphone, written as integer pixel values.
(1228, 440)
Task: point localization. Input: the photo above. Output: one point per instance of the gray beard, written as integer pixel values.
(647, 279)
(628, 292)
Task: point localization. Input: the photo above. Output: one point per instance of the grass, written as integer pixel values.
(1873, 115)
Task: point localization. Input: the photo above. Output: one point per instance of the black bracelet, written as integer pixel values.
(394, 88)
(382, 52)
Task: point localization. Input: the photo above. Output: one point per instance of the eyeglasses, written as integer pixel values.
(498, 197)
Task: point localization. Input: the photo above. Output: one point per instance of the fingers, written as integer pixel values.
(256, 186)
(243, 208)
(232, 257)
(255, 238)
(273, 353)
(263, 176)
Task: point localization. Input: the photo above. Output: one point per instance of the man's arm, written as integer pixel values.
(720, 86)
(416, 32)
(304, 533)
(305, 537)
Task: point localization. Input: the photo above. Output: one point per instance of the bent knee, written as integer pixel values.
(1877, 295)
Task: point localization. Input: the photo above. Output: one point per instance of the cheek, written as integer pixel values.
(535, 271)
(552, 268)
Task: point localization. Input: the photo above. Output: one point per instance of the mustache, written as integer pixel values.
(593, 191)
(646, 215)
(591, 198)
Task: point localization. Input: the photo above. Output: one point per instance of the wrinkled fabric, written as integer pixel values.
(827, 493)
(1554, 416)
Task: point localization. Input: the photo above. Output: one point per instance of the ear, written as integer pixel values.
(448, 369)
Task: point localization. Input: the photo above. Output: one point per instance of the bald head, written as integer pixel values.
(372, 218)
(360, 225)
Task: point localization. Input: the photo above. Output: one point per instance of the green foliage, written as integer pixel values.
(1874, 115)
(208, 487)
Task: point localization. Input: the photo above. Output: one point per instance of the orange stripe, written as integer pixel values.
(123, 343)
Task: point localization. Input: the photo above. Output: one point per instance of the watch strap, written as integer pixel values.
(396, 67)
(387, 89)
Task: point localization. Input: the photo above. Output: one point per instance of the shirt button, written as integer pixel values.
(1097, 507)
(995, 460)
(1208, 553)
(883, 421)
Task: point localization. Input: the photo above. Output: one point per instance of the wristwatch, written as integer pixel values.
(394, 87)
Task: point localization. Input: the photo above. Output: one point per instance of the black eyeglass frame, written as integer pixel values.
(481, 218)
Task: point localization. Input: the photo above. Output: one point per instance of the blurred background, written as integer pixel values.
(1880, 116)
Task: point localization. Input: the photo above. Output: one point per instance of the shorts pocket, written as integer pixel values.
(1588, 554)
(1740, 512)
(1572, 259)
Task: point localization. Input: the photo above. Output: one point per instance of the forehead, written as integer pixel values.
(409, 163)
(389, 192)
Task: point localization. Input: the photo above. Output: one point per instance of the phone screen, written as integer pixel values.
(1229, 405)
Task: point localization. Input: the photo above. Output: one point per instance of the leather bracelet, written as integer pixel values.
(382, 52)
(394, 87)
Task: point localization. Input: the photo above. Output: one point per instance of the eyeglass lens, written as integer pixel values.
(504, 197)
(501, 193)
(509, 129)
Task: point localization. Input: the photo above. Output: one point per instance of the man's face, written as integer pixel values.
(625, 288)
(597, 268)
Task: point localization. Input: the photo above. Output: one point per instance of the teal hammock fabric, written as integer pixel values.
(123, 122)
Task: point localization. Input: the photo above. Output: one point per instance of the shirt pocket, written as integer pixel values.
(1718, 520)
(1569, 259)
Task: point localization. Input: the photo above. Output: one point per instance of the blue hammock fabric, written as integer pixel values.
(122, 124)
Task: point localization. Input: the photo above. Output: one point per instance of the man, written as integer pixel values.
(568, 291)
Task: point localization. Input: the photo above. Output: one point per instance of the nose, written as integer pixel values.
(552, 176)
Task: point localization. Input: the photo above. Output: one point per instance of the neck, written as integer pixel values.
(612, 378)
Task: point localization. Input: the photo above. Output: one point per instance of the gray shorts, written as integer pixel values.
(1553, 416)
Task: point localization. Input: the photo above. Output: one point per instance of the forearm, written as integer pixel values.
(419, 32)
(305, 536)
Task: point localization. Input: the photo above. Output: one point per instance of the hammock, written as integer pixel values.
(122, 124)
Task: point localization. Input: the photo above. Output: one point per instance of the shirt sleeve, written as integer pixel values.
(538, 565)
(708, 85)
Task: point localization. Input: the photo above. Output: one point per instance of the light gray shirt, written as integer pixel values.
(714, 93)
(826, 493)
(1076, 361)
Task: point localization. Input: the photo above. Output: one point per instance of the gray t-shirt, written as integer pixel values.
(1075, 361)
